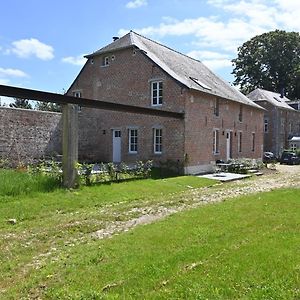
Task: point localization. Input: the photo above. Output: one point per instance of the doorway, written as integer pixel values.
(229, 136)
(116, 146)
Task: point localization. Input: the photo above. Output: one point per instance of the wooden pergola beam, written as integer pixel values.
(70, 120)
(29, 94)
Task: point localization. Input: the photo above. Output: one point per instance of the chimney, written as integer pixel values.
(115, 38)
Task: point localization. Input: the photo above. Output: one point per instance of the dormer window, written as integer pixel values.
(105, 61)
(156, 93)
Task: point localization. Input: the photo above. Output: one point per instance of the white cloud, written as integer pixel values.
(265, 13)
(233, 23)
(200, 54)
(216, 64)
(75, 60)
(209, 32)
(213, 60)
(32, 47)
(6, 74)
(12, 73)
(241, 20)
(136, 3)
(4, 81)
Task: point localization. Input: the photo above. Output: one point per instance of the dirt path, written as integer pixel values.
(284, 176)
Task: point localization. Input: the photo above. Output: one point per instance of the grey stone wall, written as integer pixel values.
(28, 135)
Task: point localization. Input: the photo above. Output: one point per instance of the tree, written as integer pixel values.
(21, 103)
(48, 106)
(270, 61)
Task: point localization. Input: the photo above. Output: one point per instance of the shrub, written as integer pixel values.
(243, 165)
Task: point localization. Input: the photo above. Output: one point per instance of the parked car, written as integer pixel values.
(269, 157)
(289, 158)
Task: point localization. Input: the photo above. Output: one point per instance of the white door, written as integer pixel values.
(228, 145)
(116, 146)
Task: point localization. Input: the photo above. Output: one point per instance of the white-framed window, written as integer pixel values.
(77, 94)
(133, 141)
(217, 107)
(216, 134)
(156, 93)
(253, 141)
(157, 140)
(293, 147)
(241, 113)
(266, 125)
(105, 61)
(240, 141)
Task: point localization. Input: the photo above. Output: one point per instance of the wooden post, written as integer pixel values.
(70, 145)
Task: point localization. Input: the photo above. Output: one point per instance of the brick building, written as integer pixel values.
(219, 122)
(281, 120)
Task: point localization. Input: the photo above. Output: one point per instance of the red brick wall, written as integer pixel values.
(95, 142)
(201, 121)
(127, 80)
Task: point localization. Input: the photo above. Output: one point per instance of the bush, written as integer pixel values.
(97, 173)
(243, 165)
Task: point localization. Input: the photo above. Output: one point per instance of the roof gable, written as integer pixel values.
(190, 72)
(271, 97)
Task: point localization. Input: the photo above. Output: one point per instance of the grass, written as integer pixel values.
(14, 183)
(56, 219)
(28, 200)
(247, 248)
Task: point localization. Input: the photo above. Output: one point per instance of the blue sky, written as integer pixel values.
(42, 42)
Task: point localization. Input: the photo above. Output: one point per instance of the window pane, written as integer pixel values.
(133, 140)
(157, 140)
(156, 93)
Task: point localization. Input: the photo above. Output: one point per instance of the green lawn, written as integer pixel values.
(246, 248)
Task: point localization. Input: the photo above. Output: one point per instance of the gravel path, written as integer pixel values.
(284, 176)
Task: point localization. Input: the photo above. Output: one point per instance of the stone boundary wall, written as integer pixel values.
(29, 135)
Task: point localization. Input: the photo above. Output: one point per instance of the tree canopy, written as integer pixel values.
(21, 103)
(269, 61)
(48, 106)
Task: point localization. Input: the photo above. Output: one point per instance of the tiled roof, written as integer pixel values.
(271, 97)
(188, 71)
